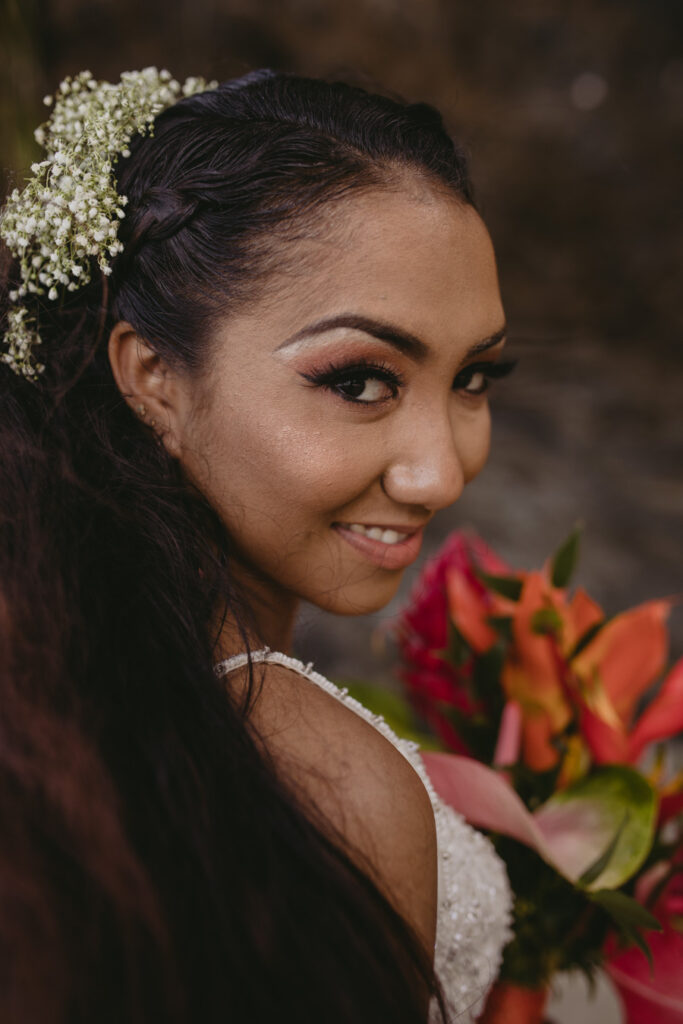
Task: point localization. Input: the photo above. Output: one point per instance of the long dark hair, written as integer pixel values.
(153, 865)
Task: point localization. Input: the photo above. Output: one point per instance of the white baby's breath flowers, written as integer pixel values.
(67, 215)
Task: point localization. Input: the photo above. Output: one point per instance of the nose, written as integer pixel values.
(427, 468)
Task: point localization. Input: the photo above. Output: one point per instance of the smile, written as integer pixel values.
(387, 547)
(376, 533)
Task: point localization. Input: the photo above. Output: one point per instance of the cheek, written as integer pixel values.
(307, 469)
(275, 472)
(474, 443)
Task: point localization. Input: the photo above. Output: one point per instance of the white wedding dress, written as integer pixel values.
(474, 901)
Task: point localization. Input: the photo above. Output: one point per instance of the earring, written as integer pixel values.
(142, 410)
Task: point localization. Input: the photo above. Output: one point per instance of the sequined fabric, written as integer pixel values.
(474, 910)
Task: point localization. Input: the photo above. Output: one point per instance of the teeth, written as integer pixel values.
(377, 533)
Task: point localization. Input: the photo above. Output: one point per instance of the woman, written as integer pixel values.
(265, 396)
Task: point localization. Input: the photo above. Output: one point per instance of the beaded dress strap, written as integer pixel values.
(474, 901)
(409, 748)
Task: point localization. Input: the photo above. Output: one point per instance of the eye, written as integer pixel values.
(364, 389)
(478, 383)
(361, 383)
(476, 379)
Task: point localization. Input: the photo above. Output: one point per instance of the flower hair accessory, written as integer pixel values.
(69, 210)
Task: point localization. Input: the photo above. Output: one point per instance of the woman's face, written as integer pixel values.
(348, 406)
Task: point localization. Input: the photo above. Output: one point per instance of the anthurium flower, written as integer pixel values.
(607, 819)
(614, 671)
(627, 655)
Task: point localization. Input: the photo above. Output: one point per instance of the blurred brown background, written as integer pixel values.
(573, 115)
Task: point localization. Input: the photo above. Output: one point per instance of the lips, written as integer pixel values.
(388, 554)
(387, 534)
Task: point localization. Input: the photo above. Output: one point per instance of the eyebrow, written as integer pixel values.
(404, 341)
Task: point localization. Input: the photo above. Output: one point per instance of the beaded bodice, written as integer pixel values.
(474, 902)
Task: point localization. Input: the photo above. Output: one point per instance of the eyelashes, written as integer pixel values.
(345, 379)
(365, 382)
(489, 370)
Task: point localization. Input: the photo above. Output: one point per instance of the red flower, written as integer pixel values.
(422, 630)
(599, 688)
(655, 996)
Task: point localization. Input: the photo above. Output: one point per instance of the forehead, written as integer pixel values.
(417, 256)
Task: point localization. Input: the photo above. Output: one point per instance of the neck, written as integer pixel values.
(269, 620)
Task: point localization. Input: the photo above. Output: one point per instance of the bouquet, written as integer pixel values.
(537, 712)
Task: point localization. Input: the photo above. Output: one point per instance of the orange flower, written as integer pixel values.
(599, 687)
(581, 614)
(533, 674)
(469, 609)
(614, 671)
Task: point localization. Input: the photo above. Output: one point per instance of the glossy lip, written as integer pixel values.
(387, 556)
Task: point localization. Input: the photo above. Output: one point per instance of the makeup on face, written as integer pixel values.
(390, 547)
(344, 355)
(351, 406)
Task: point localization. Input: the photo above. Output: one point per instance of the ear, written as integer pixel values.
(149, 386)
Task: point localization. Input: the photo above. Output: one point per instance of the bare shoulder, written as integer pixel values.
(359, 780)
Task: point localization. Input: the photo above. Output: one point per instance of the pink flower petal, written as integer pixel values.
(509, 740)
(483, 797)
(570, 837)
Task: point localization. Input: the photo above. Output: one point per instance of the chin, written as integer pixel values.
(361, 598)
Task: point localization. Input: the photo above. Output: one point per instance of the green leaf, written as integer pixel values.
(629, 916)
(546, 621)
(637, 939)
(394, 709)
(507, 586)
(624, 910)
(556, 928)
(611, 811)
(565, 558)
(599, 865)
